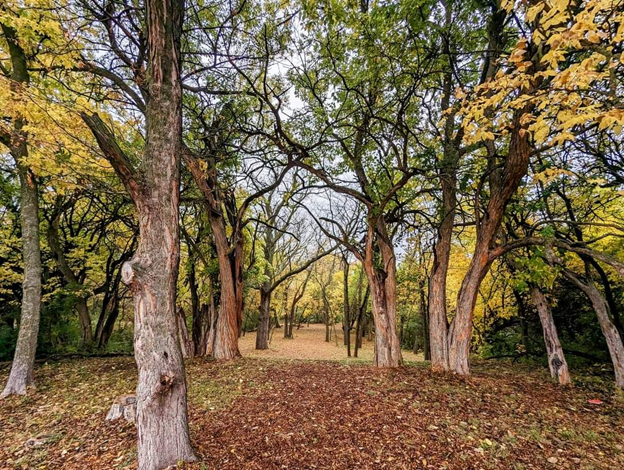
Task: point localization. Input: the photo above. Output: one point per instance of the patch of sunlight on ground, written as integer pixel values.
(309, 344)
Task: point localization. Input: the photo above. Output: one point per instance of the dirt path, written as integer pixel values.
(309, 344)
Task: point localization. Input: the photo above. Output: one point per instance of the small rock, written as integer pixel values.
(37, 441)
(124, 406)
(553, 460)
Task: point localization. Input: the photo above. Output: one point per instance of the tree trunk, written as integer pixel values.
(460, 334)
(387, 345)
(22, 370)
(438, 321)
(610, 332)
(110, 302)
(346, 320)
(22, 374)
(226, 339)
(383, 293)
(199, 317)
(186, 343)
(613, 307)
(264, 320)
(239, 280)
(426, 326)
(152, 273)
(109, 324)
(85, 321)
(502, 188)
(213, 317)
(285, 300)
(358, 335)
(230, 319)
(556, 359)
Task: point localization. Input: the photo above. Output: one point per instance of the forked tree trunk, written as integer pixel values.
(610, 332)
(22, 375)
(556, 359)
(109, 324)
(264, 320)
(152, 273)
(438, 321)
(503, 187)
(383, 295)
(229, 321)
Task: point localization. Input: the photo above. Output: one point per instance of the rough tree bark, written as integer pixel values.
(22, 375)
(438, 321)
(382, 283)
(502, 189)
(162, 423)
(556, 359)
(226, 335)
(225, 345)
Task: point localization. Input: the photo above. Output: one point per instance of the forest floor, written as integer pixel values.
(282, 413)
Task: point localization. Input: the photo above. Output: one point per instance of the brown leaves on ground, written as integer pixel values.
(262, 414)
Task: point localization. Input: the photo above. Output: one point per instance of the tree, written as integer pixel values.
(517, 103)
(16, 140)
(556, 359)
(163, 436)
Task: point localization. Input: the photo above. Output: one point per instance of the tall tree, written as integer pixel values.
(16, 140)
(456, 20)
(163, 435)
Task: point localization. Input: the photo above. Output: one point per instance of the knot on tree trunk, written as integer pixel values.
(130, 272)
(166, 383)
